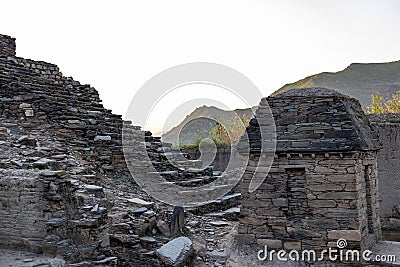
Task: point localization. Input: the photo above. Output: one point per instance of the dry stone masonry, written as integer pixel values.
(7, 45)
(388, 129)
(65, 188)
(323, 182)
(57, 142)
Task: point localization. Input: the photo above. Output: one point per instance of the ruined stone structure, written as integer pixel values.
(7, 46)
(56, 141)
(220, 162)
(323, 183)
(62, 168)
(388, 130)
(65, 188)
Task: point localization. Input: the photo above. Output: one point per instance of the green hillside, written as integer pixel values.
(358, 80)
(200, 122)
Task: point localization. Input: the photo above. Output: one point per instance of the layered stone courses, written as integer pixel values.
(388, 130)
(58, 141)
(7, 45)
(323, 184)
(62, 162)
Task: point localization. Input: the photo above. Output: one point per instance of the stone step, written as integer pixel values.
(223, 203)
(197, 181)
(229, 214)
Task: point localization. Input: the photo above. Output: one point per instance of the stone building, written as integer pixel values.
(323, 184)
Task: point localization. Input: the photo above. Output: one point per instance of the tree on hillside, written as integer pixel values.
(393, 104)
(228, 132)
(378, 106)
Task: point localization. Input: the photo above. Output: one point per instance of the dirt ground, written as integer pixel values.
(12, 258)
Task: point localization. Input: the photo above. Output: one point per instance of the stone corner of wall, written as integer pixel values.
(7, 45)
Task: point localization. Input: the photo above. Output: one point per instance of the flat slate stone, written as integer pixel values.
(90, 187)
(49, 173)
(140, 201)
(219, 223)
(56, 221)
(235, 210)
(175, 252)
(140, 210)
(43, 162)
(148, 239)
(102, 138)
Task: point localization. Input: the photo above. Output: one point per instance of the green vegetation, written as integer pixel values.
(220, 136)
(196, 142)
(231, 133)
(225, 133)
(376, 106)
(379, 106)
(393, 104)
(202, 118)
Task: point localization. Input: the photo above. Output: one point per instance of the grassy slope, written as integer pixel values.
(191, 131)
(358, 80)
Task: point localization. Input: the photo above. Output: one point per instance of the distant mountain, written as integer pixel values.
(200, 122)
(358, 80)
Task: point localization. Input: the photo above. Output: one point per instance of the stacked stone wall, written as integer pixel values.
(322, 185)
(36, 96)
(56, 132)
(22, 201)
(306, 203)
(7, 45)
(388, 129)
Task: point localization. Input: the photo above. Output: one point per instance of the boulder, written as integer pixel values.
(176, 252)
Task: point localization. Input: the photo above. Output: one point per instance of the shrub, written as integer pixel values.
(378, 106)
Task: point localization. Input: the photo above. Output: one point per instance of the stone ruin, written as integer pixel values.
(388, 130)
(322, 185)
(65, 188)
(56, 139)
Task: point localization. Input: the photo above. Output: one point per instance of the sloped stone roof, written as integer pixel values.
(315, 120)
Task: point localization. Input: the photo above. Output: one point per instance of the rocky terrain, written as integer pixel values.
(66, 194)
(67, 197)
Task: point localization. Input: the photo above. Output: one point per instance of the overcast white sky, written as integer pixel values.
(116, 46)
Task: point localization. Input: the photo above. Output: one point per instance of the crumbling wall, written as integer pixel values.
(36, 95)
(41, 212)
(56, 132)
(388, 129)
(7, 45)
(22, 201)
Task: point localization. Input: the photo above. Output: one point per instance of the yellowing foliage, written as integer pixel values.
(378, 106)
